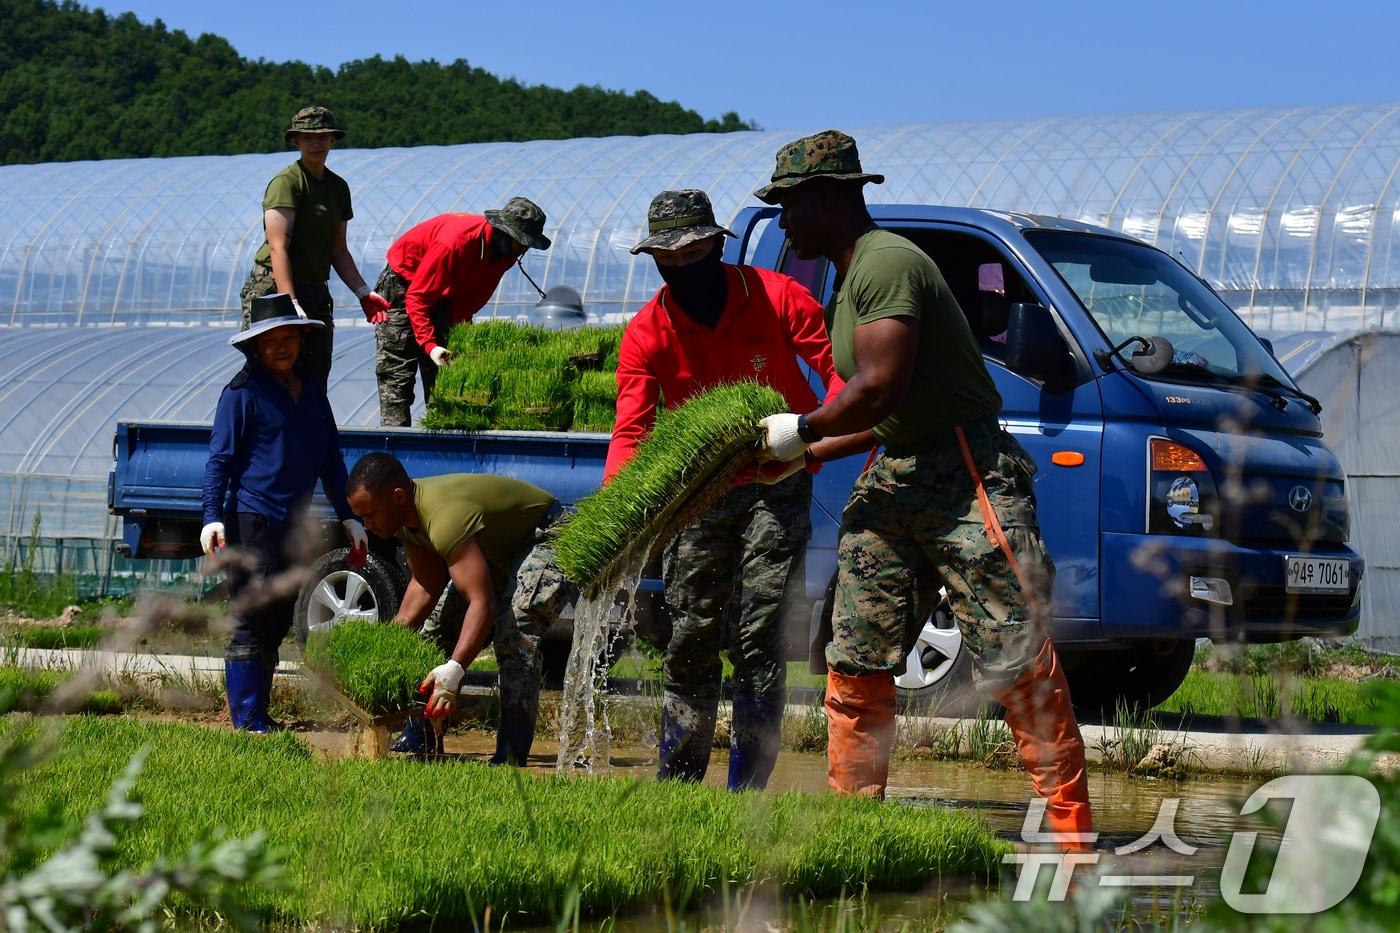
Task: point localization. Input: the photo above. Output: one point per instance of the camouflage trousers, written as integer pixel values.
(913, 524)
(315, 300)
(727, 576)
(531, 597)
(398, 358)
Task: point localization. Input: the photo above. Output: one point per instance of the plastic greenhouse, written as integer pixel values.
(119, 280)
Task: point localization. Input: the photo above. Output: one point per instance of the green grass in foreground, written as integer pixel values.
(687, 445)
(378, 666)
(391, 844)
(1263, 696)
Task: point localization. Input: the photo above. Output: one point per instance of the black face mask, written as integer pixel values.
(701, 287)
(502, 245)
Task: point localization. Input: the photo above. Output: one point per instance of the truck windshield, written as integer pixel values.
(1134, 290)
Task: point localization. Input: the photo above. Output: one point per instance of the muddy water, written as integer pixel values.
(1125, 809)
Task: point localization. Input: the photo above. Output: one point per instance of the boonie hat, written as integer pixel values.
(679, 218)
(523, 220)
(314, 119)
(828, 154)
(269, 313)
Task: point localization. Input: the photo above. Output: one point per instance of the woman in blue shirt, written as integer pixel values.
(274, 437)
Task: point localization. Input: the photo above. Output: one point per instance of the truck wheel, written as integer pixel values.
(937, 675)
(1140, 675)
(334, 593)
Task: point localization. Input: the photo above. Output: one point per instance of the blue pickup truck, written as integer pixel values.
(1184, 490)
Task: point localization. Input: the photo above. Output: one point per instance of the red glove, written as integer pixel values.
(374, 306)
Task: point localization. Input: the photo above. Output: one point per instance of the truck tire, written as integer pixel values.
(334, 593)
(937, 675)
(1140, 675)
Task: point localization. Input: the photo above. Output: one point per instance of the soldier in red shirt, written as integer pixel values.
(715, 323)
(438, 274)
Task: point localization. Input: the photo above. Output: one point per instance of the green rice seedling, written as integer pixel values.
(533, 400)
(468, 339)
(1129, 739)
(805, 731)
(29, 688)
(57, 636)
(687, 464)
(595, 401)
(377, 666)
(384, 845)
(989, 741)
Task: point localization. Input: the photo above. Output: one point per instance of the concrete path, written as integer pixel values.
(1252, 749)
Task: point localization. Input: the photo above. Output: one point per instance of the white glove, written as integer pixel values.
(211, 536)
(358, 539)
(780, 441)
(297, 305)
(441, 356)
(445, 680)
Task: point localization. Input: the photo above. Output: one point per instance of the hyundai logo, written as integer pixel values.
(1299, 499)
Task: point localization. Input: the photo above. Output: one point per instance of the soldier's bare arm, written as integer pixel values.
(885, 351)
(279, 222)
(429, 577)
(472, 577)
(344, 263)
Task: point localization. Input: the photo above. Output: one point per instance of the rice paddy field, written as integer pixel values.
(505, 376)
(395, 844)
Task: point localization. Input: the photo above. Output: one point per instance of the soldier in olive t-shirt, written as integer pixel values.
(950, 503)
(305, 210)
(891, 277)
(484, 535)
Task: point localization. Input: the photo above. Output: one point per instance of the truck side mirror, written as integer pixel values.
(1035, 348)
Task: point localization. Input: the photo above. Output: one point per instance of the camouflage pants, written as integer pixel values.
(530, 598)
(397, 356)
(913, 524)
(315, 300)
(730, 571)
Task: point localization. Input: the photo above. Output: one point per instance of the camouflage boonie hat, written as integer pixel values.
(679, 218)
(828, 154)
(522, 220)
(314, 120)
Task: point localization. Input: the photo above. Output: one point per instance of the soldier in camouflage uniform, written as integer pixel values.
(714, 323)
(306, 208)
(483, 537)
(949, 503)
(439, 274)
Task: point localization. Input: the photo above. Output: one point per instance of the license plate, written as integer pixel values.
(1316, 575)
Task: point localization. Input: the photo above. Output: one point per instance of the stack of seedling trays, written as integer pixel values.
(373, 670)
(509, 377)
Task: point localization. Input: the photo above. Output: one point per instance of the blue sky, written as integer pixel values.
(856, 63)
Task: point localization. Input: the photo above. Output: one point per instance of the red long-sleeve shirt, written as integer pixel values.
(768, 321)
(446, 258)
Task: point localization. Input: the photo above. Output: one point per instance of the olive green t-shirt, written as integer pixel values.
(321, 206)
(891, 277)
(500, 512)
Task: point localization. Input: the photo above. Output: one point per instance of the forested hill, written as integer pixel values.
(76, 83)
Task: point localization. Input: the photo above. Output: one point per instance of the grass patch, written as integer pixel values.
(55, 636)
(377, 666)
(391, 844)
(1270, 696)
(28, 689)
(693, 450)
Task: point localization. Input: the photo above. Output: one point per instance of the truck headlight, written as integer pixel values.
(1183, 498)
